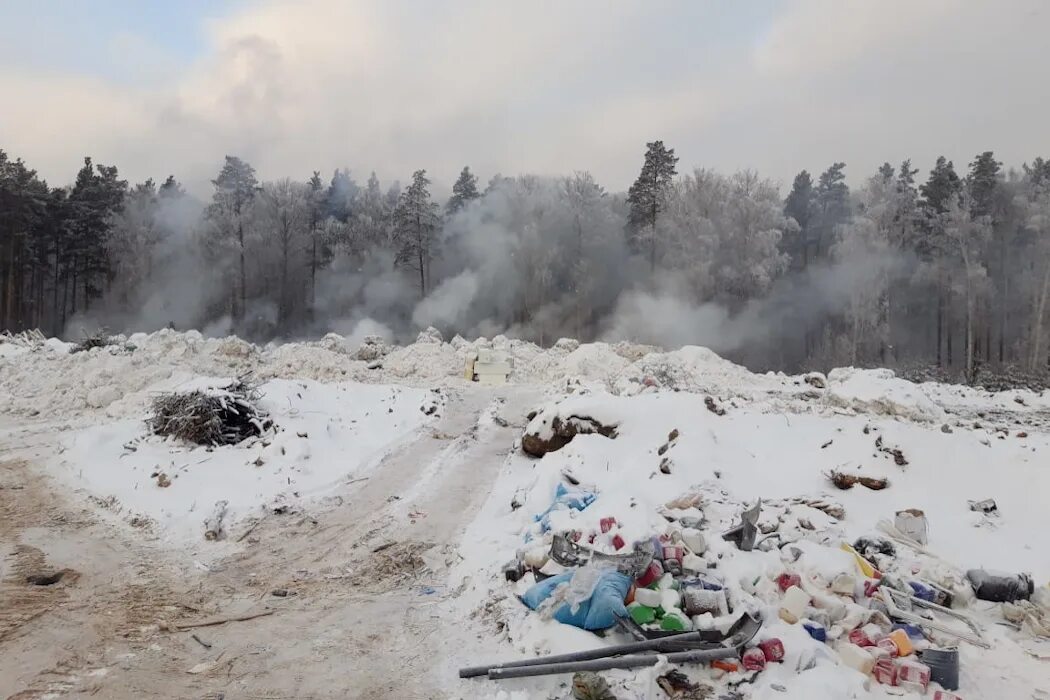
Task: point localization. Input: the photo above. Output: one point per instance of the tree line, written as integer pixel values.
(950, 271)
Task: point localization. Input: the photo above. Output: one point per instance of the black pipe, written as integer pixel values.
(635, 661)
(671, 643)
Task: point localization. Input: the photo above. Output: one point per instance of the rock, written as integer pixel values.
(946, 429)
(816, 379)
(538, 442)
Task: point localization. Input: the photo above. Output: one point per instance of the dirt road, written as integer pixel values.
(367, 610)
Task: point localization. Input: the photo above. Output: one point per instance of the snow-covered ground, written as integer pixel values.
(738, 437)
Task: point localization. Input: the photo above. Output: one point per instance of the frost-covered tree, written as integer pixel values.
(647, 197)
(235, 188)
(283, 215)
(464, 191)
(416, 220)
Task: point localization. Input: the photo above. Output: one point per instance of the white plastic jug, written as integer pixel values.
(794, 605)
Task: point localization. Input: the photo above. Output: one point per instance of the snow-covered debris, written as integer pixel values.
(880, 391)
(218, 416)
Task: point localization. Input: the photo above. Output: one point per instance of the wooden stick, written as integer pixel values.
(201, 641)
(250, 529)
(224, 620)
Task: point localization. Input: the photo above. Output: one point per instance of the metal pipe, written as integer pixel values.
(635, 661)
(673, 642)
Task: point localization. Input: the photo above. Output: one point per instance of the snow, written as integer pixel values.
(326, 434)
(341, 408)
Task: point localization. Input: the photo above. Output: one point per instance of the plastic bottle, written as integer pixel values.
(856, 658)
(793, 605)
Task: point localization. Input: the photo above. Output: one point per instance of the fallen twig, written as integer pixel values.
(200, 641)
(250, 529)
(381, 547)
(224, 620)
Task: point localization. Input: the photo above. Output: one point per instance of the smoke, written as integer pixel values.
(534, 258)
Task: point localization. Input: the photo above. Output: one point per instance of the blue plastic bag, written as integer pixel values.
(565, 497)
(597, 613)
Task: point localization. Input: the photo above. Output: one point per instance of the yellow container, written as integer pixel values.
(900, 639)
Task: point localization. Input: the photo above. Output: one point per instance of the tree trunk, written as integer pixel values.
(1037, 324)
(242, 292)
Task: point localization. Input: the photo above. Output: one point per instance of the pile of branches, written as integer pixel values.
(214, 417)
(98, 339)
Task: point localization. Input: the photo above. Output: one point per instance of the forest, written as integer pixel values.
(946, 270)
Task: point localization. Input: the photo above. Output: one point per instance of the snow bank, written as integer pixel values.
(325, 434)
(879, 391)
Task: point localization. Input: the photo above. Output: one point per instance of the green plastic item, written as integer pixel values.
(641, 614)
(672, 623)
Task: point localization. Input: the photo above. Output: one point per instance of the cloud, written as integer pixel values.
(551, 87)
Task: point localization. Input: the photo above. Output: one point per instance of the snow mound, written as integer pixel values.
(691, 368)
(325, 434)
(880, 391)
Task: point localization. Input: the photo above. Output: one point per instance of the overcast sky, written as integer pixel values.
(544, 86)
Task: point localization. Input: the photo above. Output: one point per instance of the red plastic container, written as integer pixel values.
(754, 659)
(618, 542)
(860, 638)
(885, 672)
(786, 581)
(607, 524)
(889, 645)
(914, 674)
(650, 576)
(673, 552)
(773, 649)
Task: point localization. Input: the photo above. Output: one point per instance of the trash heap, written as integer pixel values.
(733, 593)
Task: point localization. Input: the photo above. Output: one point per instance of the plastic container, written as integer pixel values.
(642, 614)
(773, 648)
(669, 598)
(787, 580)
(843, 584)
(651, 575)
(913, 675)
(754, 659)
(698, 601)
(885, 672)
(648, 597)
(694, 540)
(944, 666)
(607, 524)
(816, 631)
(912, 522)
(794, 605)
(856, 658)
(902, 642)
(691, 562)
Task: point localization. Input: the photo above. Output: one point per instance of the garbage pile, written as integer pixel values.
(728, 599)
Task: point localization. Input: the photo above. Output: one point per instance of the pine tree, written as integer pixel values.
(316, 204)
(799, 206)
(463, 192)
(647, 197)
(831, 207)
(941, 187)
(983, 181)
(415, 224)
(235, 188)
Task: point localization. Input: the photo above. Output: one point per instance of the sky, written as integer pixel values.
(545, 87)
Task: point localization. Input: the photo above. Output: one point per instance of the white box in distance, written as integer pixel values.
(489, 367)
